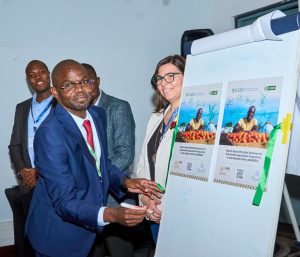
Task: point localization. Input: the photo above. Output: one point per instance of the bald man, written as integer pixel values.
(68, 206)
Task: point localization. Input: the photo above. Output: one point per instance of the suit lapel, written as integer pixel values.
(23, 125)
(104, 101)
(156, 123)
(101, 135)
(69, 124)
(24, 120)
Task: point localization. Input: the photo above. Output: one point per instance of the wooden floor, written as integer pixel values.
(283, 230)
(7, 251)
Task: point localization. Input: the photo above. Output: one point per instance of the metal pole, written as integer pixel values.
(291, 213)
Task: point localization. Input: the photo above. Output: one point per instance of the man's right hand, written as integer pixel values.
(125, 216)
(29, 177)
(143, 186)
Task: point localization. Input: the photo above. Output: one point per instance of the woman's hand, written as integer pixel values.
(153, 213)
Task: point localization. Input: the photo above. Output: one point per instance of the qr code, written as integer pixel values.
(189, 166)
(240, 174)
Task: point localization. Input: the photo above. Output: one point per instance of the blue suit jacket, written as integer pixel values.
(62, 220)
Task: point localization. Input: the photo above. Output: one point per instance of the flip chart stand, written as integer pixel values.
(291, 213)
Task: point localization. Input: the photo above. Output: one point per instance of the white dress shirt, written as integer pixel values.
(79, 121)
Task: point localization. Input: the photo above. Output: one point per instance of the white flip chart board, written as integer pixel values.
(208, 208)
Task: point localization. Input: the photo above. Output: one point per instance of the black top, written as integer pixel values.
(152, 147)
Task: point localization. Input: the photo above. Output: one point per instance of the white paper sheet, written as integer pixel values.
(258, 31)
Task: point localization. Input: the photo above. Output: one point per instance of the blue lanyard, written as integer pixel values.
(165, 127)
(40, 115)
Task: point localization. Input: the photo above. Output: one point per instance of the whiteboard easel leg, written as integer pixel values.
(291, 213)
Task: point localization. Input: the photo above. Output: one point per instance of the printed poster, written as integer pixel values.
(197, 127)
(250, 113)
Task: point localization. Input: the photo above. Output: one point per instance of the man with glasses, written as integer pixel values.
(68, 205)
(121, 145)
(28, 117)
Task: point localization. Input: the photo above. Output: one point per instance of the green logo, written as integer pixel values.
(270, 87)
(213, 92)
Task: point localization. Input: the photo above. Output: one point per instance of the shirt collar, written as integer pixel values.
(44, 101)
(79, 120)
(98, 99)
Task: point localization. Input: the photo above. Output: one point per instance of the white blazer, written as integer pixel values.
(162, 155)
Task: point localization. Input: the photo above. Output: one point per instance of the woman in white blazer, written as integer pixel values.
(153, 163)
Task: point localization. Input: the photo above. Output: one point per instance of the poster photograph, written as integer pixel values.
(250, 113)
(197, 127)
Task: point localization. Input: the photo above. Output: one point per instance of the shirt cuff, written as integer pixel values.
(100, 220)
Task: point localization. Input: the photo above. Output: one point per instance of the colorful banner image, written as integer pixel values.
(250, 113)
(199, 113)
(197, 126)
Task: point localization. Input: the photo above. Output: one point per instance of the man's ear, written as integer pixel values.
(98, 81)
(54, 93)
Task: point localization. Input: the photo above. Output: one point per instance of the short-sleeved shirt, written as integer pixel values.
(196, 125)
(247, 125)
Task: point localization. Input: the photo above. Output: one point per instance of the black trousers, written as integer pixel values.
(19, 203)
(121, 241)
(118, 240)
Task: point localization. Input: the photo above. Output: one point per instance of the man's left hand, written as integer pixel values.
(143, 186)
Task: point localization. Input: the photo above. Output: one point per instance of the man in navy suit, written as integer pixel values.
(68, 205)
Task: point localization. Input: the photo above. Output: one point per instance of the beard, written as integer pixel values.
(41, 89)
(80, 104)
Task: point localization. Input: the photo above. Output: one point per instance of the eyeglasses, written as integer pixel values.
(69, 86)
(169, 77)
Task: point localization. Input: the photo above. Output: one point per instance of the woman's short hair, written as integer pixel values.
(176, 60)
